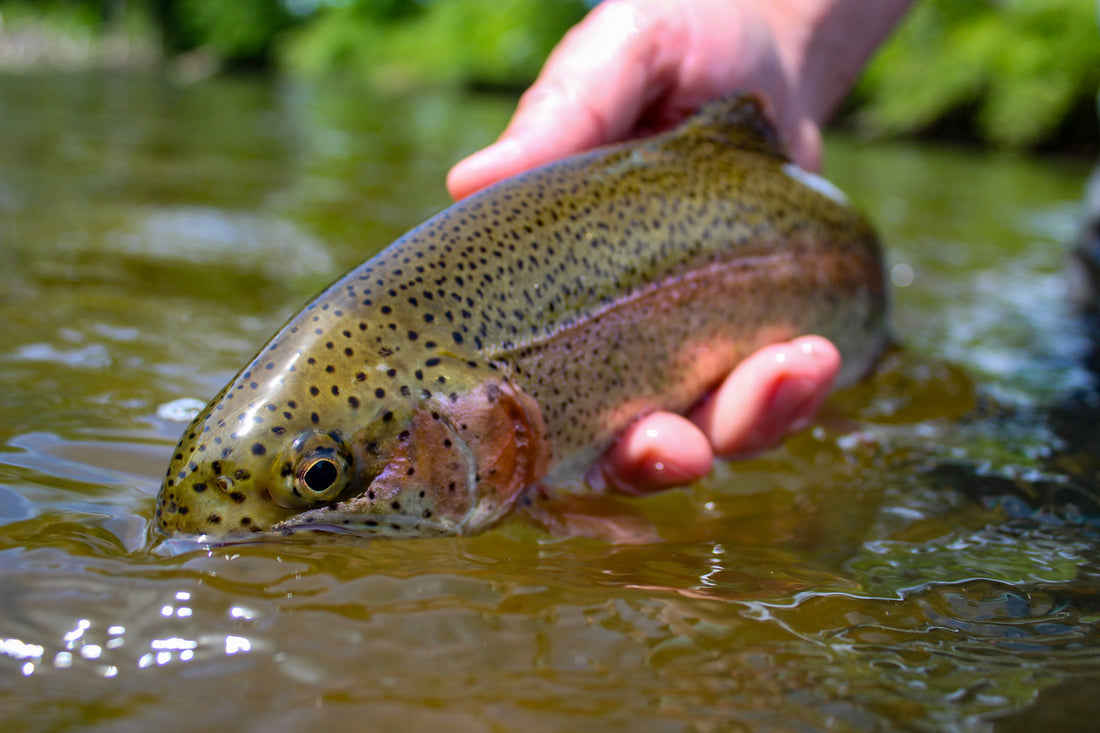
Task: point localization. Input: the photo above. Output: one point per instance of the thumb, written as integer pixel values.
(591, 91)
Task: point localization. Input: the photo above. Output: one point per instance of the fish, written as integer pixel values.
(501, 346)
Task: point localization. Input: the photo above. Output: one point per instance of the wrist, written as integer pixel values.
(824, 45)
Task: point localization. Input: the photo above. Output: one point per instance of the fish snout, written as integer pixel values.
(215, 500)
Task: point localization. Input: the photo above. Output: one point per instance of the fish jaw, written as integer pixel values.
(458, 469)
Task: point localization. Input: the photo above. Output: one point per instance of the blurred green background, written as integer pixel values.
(1010, 74)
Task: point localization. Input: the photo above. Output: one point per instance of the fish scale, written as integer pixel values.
(508, 340)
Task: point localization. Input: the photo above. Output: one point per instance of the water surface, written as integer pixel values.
(924, 559)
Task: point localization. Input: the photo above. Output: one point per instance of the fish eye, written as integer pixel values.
(321, 475)
(317, 476)
(315, 468)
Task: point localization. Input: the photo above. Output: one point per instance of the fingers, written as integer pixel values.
(806, 149)
(774, 392)
(657, 452)
(591, 91)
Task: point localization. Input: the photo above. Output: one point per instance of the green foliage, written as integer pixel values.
(500, 42)
(1017, 68)
(1015, 73)
(241, 30)
(65, 18)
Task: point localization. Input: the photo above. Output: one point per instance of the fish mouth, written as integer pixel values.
(214, 507)
(331, 519)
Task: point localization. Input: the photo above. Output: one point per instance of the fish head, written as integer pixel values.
(317, 450)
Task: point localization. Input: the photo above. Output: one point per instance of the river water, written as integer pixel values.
(924, 559)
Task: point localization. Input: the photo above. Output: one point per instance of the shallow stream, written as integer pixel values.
(924, 559)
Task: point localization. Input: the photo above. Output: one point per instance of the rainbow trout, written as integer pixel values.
(508, 340)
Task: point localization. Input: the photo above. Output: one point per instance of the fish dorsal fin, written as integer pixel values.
(738, 120)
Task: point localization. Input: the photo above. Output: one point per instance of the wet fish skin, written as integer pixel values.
(509, 339)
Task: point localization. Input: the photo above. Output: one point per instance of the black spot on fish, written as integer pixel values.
(387, 416)
(434, 361)
(413, 335)
(258, 449)
(198, 488)
(214, 519)
(335, 390)
(237, 497)
(379, 393)
(314, 418)
(242, 475)
(354, 402)
(314, 390)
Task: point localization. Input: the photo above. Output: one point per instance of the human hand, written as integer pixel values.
(774, 392)
(634, 67)
(631, 68)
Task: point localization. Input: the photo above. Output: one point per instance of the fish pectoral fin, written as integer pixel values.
(595, 516)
